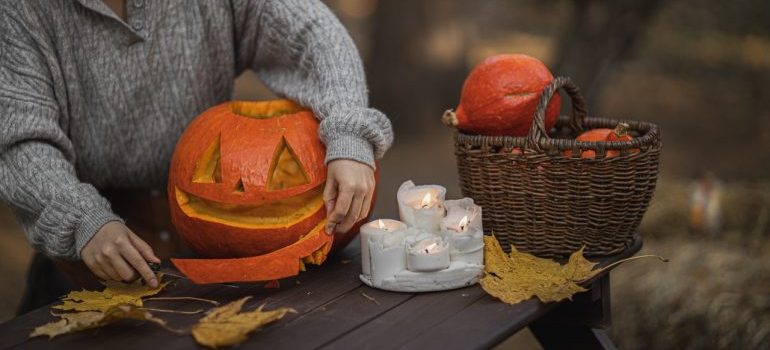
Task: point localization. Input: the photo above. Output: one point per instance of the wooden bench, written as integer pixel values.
(336, 311)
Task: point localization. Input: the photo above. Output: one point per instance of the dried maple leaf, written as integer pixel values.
(115, 293)
(78, 321)
(227, 325)
(518, 276)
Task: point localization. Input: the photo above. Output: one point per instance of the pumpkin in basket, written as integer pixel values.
(500, 95)
(246, 192)
(619, 133)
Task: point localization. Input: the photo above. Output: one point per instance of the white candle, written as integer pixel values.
(421, 206)
(430, 254)
(463, 228)
(387, 262)
(377, 231)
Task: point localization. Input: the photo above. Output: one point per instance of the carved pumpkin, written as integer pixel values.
(245, 190)
(500, 95)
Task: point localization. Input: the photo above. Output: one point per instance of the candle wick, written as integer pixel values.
(426, 251)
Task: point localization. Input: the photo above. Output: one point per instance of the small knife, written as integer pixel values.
(156, 267)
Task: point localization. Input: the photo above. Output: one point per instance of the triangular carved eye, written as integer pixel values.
(286, 170)
(239, 189)
(208, 169)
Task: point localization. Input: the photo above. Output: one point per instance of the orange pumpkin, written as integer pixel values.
(500, 95)
(245, 190)
(620, 133)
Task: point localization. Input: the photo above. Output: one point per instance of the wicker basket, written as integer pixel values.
(549, 204)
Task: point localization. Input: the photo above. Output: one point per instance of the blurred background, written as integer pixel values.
(698, 68)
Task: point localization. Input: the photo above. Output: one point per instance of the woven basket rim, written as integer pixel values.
(650, 137)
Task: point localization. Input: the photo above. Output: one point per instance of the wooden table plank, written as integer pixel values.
(316, 287)
(15, 332)
(494, 321)
(332, 320)
(483, 324)
(410, 319)
(332, 313)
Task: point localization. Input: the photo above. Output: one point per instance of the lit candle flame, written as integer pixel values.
(463, 223)
(380, 224)
(430, 247)
(426, 200)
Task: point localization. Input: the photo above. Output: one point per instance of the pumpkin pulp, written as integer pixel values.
(277, 214)
(311, 248)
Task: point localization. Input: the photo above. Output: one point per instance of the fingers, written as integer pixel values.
(348, 194)
(144, 249)
(341, 207)
(330, 195)
(353, 212)
(95, 268)
(131, 254)
(366, 206)
(116, 253)
(330, 200)
(124, 270)
(368, 198)
(105, 264)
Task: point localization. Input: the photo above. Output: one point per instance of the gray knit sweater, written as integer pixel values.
(89, 101)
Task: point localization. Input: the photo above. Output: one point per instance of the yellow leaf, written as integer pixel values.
(517, 276)
(227, 325)
(115, 293)
(78, 321)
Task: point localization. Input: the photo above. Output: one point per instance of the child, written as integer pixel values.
(95, 93)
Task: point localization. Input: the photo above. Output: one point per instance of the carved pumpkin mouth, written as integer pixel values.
(277, 214)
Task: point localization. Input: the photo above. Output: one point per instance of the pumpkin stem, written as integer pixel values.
(621, 129)
(449, 118)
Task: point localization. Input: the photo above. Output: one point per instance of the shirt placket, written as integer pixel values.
(136, 16)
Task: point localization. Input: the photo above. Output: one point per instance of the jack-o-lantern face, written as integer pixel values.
(246, 179)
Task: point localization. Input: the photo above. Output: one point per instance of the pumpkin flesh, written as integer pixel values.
(312, 248)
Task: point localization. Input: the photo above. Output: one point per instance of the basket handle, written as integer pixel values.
(537, 131)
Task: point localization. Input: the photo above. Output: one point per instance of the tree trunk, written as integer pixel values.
(417, 65)
(600, 36)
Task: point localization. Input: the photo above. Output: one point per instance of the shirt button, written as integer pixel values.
(137, 24)
(138, 3)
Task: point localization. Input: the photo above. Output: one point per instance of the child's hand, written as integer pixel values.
(348, 193)
(116, 253)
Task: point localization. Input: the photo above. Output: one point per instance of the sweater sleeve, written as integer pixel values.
(59, 213)
(300, 50)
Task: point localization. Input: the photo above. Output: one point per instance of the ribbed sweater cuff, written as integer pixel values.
(342, 146)
(90, 223)
(70, 219)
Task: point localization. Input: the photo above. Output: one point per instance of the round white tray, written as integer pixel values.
(459, 274)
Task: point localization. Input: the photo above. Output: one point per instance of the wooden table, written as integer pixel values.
(336, 311)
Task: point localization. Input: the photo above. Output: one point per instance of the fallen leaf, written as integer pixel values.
(78, 321)
(115, 293)
(227, 325)
(518, 276)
